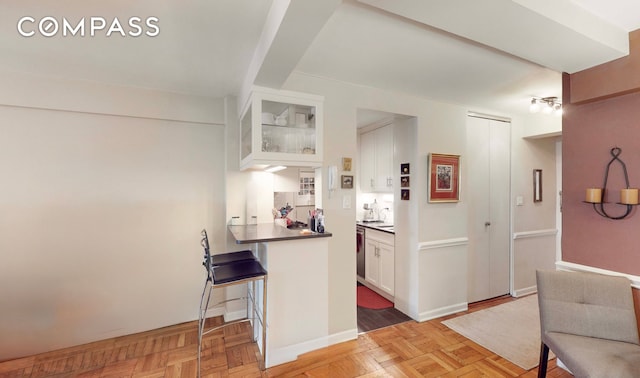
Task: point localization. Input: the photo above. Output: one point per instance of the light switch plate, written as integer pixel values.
(346, 201)
(519, 201)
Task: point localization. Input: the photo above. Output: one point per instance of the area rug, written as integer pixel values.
(368, 298)
(510, 330)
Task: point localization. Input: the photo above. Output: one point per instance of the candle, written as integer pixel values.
(629, 196)
(594, 195)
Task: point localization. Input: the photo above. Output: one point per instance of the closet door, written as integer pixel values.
(488, 171)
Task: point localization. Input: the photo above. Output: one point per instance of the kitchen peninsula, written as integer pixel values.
(297, 287)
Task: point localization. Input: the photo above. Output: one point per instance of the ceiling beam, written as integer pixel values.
(290, 28)
(556, 34)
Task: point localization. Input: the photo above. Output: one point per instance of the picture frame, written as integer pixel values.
(537, 185)
(346, 182)
(405, 181)
(444, 178)
(404, 169)
(346, 164)
(405, 195)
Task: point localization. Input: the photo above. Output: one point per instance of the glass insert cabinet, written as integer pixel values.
(281, 128)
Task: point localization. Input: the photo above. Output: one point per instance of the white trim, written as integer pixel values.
(525, 291)
(340, 337)
(573, 267)
(434, 244)
(214, 311)
(442, 311)
(535, 233)
(291, 352)
(231, 316)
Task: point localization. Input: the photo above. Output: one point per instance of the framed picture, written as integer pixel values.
(346, 164)
(444, 178)
(346, 182)
(404, 169)
(404, 195)
(405, 182)
(537, 185)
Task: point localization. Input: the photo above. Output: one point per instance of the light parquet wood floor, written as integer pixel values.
(409, 349)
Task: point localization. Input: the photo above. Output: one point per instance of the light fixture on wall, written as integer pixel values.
(628, 196)
(546, 105)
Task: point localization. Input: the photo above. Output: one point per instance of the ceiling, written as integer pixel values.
(489, 54)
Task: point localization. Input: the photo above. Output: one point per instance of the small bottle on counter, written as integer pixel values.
(312, 223)
(320, 224)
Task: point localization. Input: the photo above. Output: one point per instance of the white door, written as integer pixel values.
(488, 170)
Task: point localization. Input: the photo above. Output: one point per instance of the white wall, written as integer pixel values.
(104, 193)
(534, 223)
(438, 235)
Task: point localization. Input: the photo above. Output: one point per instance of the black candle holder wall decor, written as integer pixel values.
(595, 196)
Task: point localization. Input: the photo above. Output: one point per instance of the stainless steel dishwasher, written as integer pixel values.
(360, 250)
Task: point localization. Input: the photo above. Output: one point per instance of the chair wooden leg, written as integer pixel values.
(544, 359)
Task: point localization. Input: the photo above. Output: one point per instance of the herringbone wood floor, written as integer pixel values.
(409, 349)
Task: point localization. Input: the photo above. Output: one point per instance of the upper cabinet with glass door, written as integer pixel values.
(281, 128)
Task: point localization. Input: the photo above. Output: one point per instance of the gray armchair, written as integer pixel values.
(588, 321)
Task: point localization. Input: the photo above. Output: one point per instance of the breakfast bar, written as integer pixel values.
(297, 294)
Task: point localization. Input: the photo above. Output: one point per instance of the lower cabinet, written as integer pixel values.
(380, 260)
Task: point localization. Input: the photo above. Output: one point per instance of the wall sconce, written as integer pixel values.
(546, 105)
(628, 196)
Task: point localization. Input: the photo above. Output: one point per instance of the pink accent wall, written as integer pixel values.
(590, 130)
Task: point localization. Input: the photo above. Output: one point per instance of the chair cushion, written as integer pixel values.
(587, 304)
(237, 271)
(229, 257)
(594, 357)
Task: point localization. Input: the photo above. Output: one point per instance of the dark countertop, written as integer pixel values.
(379, 226)
(269, 232)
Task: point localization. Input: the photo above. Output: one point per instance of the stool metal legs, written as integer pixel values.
(256, 311)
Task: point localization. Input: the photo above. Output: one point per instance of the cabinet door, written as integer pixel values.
(387, 268)
(384, 159)
(371, 262)
(367, 161)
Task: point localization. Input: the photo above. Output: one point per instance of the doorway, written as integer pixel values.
(488, 171)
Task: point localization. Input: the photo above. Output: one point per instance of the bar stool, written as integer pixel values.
(225, 258)
(233, 268)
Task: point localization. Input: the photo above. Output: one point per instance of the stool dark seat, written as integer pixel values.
(234, 268)
(231, 257)
(228, 257)
(237, 271)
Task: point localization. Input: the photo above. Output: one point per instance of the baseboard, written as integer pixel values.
(442, 311)
(290, 353)
(573, 267)
(343, 336)
(214, 311)
(562, 366)
(235, 315)
(525, 291)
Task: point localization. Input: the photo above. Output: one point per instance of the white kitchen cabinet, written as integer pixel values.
(376, 160)
(281, 128)
(380, 260)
